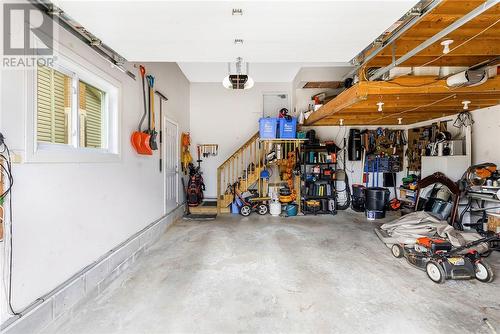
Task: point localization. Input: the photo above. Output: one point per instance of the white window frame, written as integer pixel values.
(69, 63)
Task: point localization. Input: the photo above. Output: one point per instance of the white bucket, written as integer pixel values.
(275, 208)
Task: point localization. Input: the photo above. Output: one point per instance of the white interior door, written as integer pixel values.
(273, 102)
(171, 163)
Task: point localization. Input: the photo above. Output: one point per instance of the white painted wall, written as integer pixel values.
(225, 117)
(486, 135)
(66, 215)
(354, 169)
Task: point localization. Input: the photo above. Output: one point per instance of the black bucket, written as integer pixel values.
(358, 191)
(376, 200)
(358, 197)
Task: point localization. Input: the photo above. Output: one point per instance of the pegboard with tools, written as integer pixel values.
(208, 150)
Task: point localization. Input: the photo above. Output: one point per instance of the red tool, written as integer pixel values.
(140, 139)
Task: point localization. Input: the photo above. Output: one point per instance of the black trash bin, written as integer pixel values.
(376, 200)
(358, 197)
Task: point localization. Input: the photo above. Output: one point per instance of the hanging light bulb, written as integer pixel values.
(446, 45)
(380, 104)
(400, 120)
(238, 80)
(341, 121)
(227, 83)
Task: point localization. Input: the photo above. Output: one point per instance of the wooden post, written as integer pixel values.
(218, 189)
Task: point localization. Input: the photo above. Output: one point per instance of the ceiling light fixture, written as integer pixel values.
(238, 41)
(341, 121)
(446, 45)
(238, 80)
(380, 104)
(466, 104)
(237, 11)
(400, 120)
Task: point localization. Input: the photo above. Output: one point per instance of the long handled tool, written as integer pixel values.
(139, 138)
(163, 98)
(151, 116)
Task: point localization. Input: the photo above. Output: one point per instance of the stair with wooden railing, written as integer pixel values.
(236, 168)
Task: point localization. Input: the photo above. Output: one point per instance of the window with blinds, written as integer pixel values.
(53, 106)
(91, 115)
(55, 110)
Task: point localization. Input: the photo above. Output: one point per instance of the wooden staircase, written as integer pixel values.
(235, 168)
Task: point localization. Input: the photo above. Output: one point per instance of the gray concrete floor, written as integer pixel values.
(319, 274)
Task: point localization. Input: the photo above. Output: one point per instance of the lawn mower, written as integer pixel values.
(441, 261)
(250, 202)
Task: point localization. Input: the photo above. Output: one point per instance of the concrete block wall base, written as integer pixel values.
(58, 305)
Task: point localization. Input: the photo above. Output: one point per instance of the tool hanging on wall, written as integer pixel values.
(186, 157)
(151, 116)
(208, 150)
(163, 98)
(140, 139)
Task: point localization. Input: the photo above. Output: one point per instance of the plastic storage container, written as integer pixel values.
(376, 200)
(288, 128)
(291, 209)
(268, 127)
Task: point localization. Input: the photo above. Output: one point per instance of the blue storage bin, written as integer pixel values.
(268, 127)
(288, 128)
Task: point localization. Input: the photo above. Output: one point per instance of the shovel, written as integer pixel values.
(140, 139)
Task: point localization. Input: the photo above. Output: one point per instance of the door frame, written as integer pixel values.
(164, 163)
(275, 93)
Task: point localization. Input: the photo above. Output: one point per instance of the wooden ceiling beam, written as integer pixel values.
(366, 121)
(424, 85)
(452, 17)
(426, 98)
(384, 121)
(377, 116)
(421, 109)
(465, 61)
(476, 47)
(461, 7)
(324, 84)
(448, 13)
(424, 33)
(407, 97)
(345, 99)
(449, 103)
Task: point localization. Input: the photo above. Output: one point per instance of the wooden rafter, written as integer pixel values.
(474, 42)
(417, 98)
(413, 99)
(324, 84)
(342, 101)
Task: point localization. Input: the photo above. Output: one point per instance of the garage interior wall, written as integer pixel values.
(229, 118)
(225, 117)
(67, 215)
(484, 143)
(485, 134)
(93, 207)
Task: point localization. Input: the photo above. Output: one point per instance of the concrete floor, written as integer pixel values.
(303, 275)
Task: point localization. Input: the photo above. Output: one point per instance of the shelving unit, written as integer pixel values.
(287, 145)
(310, 178)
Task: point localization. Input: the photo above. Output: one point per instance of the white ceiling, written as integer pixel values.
(204, 31)
(260, 72)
